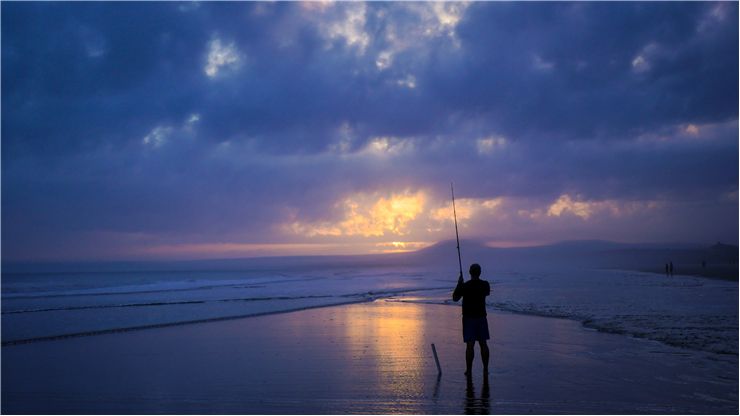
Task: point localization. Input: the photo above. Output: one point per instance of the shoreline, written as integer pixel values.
(168, 324)
(585, 322)
(371, 357)
(728, 273)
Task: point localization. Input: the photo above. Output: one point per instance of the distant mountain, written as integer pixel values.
(719, 260)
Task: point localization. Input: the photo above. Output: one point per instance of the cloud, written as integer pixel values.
(692, 129)
(465, 209)
(565, 204)
(369, 215)
(387, 146)
(642, 62)
(401, 246)
(713, 16)
(221, 56)
(345, 22)
(515, 102)
(489, 144)
(588, 210)
(161, 134)
(158, 136)
(441, 18)
(541, 64)
(409, 81)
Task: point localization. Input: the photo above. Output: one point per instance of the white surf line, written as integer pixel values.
(169, 324)
(245, 285)
(365, 298)
(164, 303)
(197, 301)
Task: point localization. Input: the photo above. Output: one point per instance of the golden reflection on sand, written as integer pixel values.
(392, 336)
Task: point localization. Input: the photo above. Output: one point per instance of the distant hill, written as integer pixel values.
(720, 260)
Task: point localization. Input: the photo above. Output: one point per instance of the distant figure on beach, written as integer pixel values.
(475, 324)
(670, 267)
(667, 273)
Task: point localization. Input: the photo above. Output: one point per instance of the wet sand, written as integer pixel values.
(364, 358)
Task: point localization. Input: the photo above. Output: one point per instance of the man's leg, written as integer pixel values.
(484, 353)
(469, 355)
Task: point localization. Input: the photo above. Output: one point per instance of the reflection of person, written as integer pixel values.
(475, 324)
(480, 406)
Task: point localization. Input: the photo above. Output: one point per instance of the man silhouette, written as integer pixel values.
(475, 324)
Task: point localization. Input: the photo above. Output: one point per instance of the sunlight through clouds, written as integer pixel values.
(413, 214)
(446, 15)
(585, 210)
(433, 20)
(369, 215)
(387, 146)
(352, 23)
(343, 123)
(349, 25)
(566, 204)
(401, 246)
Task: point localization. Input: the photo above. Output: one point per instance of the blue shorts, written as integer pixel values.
(475, 329)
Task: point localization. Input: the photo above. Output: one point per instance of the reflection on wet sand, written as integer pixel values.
(399, 359)
(481, 405)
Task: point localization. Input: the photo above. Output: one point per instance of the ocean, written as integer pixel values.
(694, 313)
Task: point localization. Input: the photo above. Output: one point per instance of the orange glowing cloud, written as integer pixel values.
(401, 246)
(368, 215)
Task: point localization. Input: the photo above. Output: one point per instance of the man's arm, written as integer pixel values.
(488, 289)
(457, 294)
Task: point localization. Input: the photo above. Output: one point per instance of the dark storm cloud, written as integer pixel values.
(590, 88)
(590, 99)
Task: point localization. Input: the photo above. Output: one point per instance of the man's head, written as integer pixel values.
(475, 270)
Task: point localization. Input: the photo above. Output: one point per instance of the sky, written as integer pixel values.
(210, 130)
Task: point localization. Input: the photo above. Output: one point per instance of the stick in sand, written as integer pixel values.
(436, 360)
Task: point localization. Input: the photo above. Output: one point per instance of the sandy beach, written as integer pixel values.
(364, 358)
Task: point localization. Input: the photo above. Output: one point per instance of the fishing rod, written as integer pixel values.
(459, 281)
(457, 236)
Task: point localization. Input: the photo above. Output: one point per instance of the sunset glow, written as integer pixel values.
(368, 216)
(369, 207)
(271, 128)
